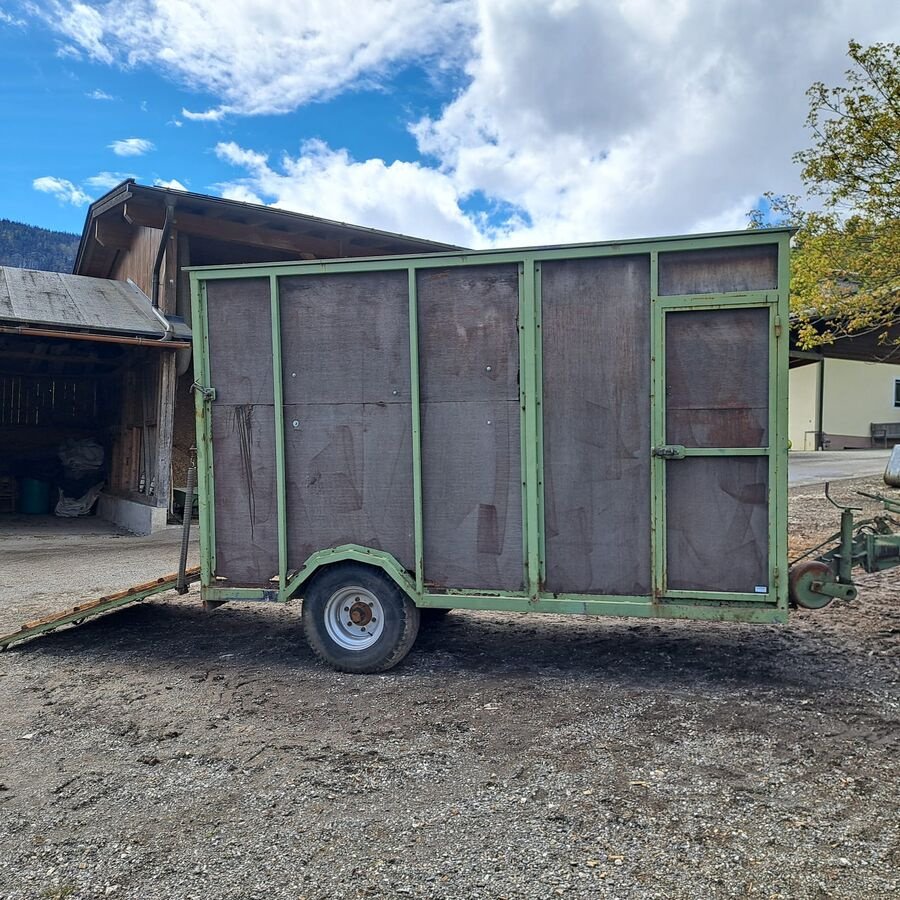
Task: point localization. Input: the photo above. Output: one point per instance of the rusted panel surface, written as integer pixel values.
(717, 528)
(245, 499)
(349, 478)
(596, 362)
(348, 459)
(717, 378)
(471, 451)
(716, 271)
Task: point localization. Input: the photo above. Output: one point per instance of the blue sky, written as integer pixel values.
(477, 122)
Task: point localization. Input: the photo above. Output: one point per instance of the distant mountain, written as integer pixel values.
(29, 247)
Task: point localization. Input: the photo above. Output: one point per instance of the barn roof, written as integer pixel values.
(110, 219)
(74, 305)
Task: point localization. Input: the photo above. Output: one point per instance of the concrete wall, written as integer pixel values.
(138, 518)
(803, 394)
(856, 395)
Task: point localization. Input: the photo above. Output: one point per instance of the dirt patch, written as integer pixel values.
(165, 752)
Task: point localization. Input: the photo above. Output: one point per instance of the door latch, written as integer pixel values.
(668, 451)
(208, 393)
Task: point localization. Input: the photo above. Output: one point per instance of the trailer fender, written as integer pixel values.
(351, 553)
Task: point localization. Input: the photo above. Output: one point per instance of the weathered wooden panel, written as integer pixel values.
(596, 363)
(349, 478)
(345, 338)
(718, 271)
(468, 333)
(137, 262)
(471, 450)
(717, 378)
(245, 493)
(471, 483)
(717, 524)
(345, 353)
(239, 318)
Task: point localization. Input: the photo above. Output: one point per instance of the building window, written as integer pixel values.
(897, 393)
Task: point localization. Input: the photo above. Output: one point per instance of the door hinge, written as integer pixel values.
(778, 326)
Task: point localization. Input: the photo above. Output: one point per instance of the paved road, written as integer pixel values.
(831, 465)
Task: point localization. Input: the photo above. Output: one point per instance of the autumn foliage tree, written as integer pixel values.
(845, 272)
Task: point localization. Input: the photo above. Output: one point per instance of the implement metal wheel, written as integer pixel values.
(357, 619)
(801, 579)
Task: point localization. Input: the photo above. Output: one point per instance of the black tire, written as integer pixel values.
(431, 615)
(321, 603)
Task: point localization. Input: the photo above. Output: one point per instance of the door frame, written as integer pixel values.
(776, 302)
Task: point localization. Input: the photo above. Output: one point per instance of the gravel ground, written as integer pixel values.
(164, 752)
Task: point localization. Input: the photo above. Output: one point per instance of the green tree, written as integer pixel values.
(845, 273)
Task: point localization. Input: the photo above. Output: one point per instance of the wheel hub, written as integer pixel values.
(354, 618)
(360, 613)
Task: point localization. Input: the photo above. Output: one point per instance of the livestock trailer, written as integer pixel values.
(592, 428)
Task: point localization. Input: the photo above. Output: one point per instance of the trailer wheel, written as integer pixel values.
(357, 619)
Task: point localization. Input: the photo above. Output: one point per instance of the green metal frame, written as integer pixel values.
(769, 607)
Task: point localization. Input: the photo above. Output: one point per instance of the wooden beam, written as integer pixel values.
(100, 338)
(233, 232)
(113, 233)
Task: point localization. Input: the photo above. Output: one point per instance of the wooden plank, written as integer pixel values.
(596, 401)
(349, 478)
(90, 608)
(345, 350)
(717, 524)
(720, 270)
(165, 417)
(240, 340)
(717, 378)
(345, 338)
(471, 449)
(246, 537)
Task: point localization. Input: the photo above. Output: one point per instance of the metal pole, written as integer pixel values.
(181, 585)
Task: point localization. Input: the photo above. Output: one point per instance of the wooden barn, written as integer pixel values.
(141, 408)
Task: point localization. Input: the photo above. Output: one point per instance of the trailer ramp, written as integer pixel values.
(75, 615)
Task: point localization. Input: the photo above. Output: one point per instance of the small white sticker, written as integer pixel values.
(761, 589)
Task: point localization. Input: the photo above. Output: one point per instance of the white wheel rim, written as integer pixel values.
(354, 618)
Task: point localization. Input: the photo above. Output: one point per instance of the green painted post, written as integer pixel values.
(278, 399)
(415, 408)
(528, 375)
(657, 434)
(202, 412)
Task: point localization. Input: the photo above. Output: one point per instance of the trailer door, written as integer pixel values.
(714, 448)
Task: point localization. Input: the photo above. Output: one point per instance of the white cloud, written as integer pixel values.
(265, 56)
(84, 26)
(174, 184)
(577, 119)
(210, 115)
(105, 181)
(131, 147)
(63, 190)
(9, 19)
(657, 118)
(98, 94)
(400, 196)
